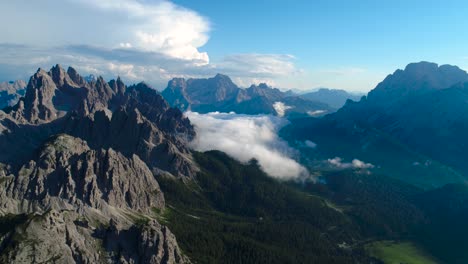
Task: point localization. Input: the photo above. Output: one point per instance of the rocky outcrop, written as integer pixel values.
(68, 237)
(66, 170)
(150, 243)
(79, 166)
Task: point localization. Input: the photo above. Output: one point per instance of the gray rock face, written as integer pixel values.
(132, 119)
(69, 193)
(67, 169)
(67, 237)
(78, 172)
(151, 243)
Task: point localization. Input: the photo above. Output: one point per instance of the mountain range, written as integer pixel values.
(335, 98)
(100, 172)
(221, 94)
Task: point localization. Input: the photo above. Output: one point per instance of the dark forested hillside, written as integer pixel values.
(236, 214)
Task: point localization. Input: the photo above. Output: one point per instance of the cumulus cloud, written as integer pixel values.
(316, 112)
(140, 40)
(281, 108)
(152, 26)
(354, 164)
(247, 137)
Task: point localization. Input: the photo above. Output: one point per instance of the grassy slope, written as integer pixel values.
(391, 252)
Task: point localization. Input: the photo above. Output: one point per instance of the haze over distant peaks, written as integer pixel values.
(10, 92)
(334, 97)
(221, 94)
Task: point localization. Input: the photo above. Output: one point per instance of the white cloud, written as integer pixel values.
(281, 108)
(316, 112)
(149, 41)
(157, 26)
(260, 65)
(245, 82)
(354, 164)
(310, 144)
(125, 45)
(246, 137)
(161, 26)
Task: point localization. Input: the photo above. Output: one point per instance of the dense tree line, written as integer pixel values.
(234, 213)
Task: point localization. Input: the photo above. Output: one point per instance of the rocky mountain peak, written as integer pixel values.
(415, 79)
(38, 104)
(75, 77)
(58, 74)
(82, 170)
(263, 86)
(221, 77)
(118, 86)
(177, 82)
(421, 67)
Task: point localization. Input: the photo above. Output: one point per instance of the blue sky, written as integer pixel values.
(338, 31)
(290, 44)
(375, 36)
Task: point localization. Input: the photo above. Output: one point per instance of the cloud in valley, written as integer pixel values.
(338, 162)
(310, 144)
(316, 112)
(246, 137)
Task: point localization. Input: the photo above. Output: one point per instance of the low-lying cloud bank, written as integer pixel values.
(354, 164)
(247, 137)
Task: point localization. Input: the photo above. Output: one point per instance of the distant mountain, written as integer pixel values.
(333, 97)
(414, 80)
(413, 123)
(221, 94)
(12, 86)
(10, 92)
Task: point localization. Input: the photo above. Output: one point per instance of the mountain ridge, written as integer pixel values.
(79, 182)
(403, 110)
(219, 93)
